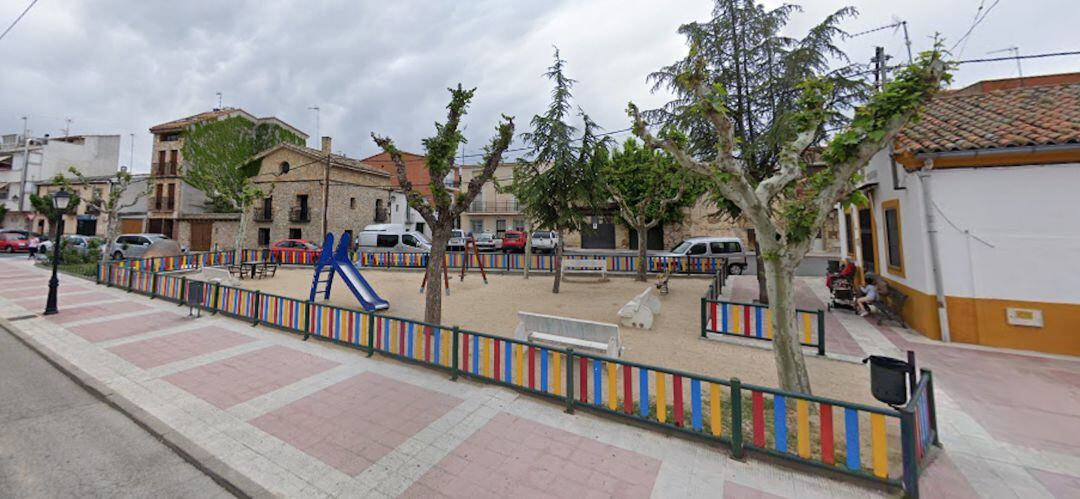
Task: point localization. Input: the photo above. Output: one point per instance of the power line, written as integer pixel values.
(1013, 58)
(874, 30)
(974, 23)
(17, 19)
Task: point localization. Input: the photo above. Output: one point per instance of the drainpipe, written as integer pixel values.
(935, 259)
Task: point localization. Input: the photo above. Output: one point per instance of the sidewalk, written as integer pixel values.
(312, 419)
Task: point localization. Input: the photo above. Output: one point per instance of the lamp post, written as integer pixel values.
(60, 203)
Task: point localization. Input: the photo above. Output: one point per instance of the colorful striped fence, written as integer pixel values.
(880, 444)
(542, 262)
(752, 320)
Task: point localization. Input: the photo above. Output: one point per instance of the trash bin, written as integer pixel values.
(888, 379)
(832, 266)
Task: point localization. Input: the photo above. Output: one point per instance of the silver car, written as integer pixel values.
(727, 247)
(132, 245)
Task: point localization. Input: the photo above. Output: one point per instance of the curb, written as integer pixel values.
(224, 475)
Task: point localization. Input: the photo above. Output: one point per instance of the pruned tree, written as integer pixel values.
(217, 161)
(112, 204)
(43, 205)
(745, 49)
(443, 208)
(649, 188)
(558, 183)
(788, 207)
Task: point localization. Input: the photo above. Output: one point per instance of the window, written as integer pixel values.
(476, 226)
(264, 237)
(283, 168)
(697, 249)
(409, 240)
(850, 235)
(352, 203)
(719, 247)
(500, 225)
(420, 227)
(386, 240)
(170, 137)
(4, 192)
(894, 239)
(294, 233)
(519, 224)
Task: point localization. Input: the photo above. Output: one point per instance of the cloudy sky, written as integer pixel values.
(121, 66)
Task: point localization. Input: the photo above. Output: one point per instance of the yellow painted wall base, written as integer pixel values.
(982, 321)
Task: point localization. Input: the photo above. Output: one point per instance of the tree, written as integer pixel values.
(113, 204)
(43, 205)
(3, 213)
(558, 184)
(649, 188)
(217, 161)
(742, 48)
(789, 206)
(445, 206)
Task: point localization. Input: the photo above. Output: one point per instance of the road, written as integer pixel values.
(56, 440)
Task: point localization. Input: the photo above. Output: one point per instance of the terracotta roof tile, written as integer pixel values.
(1001, 118)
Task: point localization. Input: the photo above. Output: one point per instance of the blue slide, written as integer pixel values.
(367, 297)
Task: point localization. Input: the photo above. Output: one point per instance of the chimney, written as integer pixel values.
(326, 145)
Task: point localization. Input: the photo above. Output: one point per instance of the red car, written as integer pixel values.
(11, 242)
(513, 241)
(295, 251)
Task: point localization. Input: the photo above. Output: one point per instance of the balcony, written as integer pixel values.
(299, 214)
(162, 203)
(264, 214)
(508, 207)
(168, 169)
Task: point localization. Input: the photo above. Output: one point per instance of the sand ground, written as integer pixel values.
(674, 341)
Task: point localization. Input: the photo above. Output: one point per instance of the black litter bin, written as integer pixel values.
(888, 379)
(832, 266)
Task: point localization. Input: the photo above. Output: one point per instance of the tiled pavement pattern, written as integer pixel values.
(71, 312)
(279, 432)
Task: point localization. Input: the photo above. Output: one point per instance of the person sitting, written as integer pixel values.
(869, 295)
(846, 272)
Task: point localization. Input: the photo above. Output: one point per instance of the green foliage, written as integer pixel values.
(644, 178)
(558, 183)
(217, 156)
(3, 213)
(43, 205)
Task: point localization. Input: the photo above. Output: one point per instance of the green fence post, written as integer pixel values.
(255, 309)
(371, 334)
(109, 276)
(736, 419)
(703, 320)
(307, 320)
(454, 354)
(97, 272)
(153, 285)
(910, 460)
(569, 381)
(131, 279)
(215, 301)
(183, 291)
(820, 332)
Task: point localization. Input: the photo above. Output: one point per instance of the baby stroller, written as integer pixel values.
(843, 293)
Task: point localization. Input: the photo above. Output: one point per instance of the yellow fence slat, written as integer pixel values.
(661, 399)
(613, 387)
(879, 445)
(715, 416)
(518, 367)
(806, 326)
(802, 419)
(556, 359)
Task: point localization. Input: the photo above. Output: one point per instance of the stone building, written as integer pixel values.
(88, 220)
(176, 208)
(293, 178)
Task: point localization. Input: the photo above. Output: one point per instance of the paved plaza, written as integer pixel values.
(312, 419)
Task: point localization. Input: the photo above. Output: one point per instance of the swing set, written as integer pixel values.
(470, 243)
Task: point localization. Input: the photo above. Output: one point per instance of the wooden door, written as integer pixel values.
(131, 226)
(201, 235)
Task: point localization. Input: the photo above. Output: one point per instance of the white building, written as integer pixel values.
(24, 164)
(974, 216)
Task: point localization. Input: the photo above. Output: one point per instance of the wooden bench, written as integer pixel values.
(235, 271)
(639, 311)
(563, 332)
(585, 266)
(891, 307)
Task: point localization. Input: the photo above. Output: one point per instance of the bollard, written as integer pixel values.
(371, 334)
(454, 354)
(255, 309)
(821, 332)
(736, 419)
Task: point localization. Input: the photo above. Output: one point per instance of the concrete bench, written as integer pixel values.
(585, 266)
(565, 332)
(217, 274)
(639, 311)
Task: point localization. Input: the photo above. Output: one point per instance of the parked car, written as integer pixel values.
(544, 241)
(488, 242)
(11, 242)
(79, 242)
(392, 238)
(727, 247)
(25, 233)
(513, 241)
(292, 250)
(133, 245)
(457, 240)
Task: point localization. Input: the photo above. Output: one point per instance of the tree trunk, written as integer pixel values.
(642, 249)
(790, 364)
(433, 291)
(243, 228)
(558, 262)
(111, 228)
(762, 283)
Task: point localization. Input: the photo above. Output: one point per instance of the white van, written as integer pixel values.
(727, 247)
(391, 238)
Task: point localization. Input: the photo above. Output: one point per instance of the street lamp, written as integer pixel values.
(60, 203)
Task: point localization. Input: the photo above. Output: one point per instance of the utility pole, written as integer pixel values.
(131, 155)
(881, 67)
(67, 127)
(907, 41)
(26, 169)
(219, 100)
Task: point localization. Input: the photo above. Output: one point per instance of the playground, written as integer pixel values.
(674, 341)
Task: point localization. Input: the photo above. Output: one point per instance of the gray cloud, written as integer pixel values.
(120, 67)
